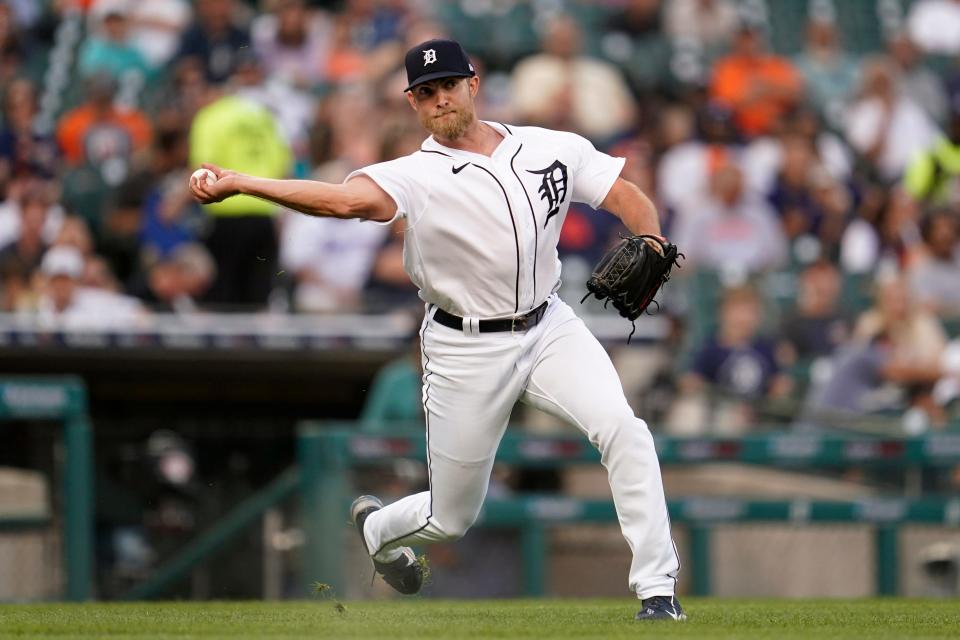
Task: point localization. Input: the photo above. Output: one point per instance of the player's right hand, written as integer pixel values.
(226, 185)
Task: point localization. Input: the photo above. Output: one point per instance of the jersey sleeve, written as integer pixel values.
(595, 173)
(399, 178)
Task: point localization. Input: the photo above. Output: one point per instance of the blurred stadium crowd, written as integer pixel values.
(805, 156)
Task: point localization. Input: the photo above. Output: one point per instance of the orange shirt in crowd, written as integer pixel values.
(76, 124)
(739, 83)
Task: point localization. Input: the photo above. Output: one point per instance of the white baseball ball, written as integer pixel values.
(204, 175)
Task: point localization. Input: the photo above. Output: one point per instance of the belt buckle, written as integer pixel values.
(519, 323)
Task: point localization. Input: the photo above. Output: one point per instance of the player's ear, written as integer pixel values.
(474, 84)
(411, 100)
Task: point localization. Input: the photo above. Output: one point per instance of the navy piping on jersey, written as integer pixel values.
(426, 415)
(516, 236)
(505, 127)
(536, 233)
(437, 152)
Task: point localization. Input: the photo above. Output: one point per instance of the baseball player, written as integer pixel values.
(483, 204)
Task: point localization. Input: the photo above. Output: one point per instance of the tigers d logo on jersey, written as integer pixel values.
(553, 187)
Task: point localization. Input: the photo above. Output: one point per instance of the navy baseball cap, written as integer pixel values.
(436, 59)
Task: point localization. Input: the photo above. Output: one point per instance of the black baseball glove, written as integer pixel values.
(630, 274)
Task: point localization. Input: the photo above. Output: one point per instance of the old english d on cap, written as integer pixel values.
(436, 59)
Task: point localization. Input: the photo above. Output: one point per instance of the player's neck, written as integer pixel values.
(478, 138)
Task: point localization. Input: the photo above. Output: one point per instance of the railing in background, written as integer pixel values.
(328, 451)
(278, 332)
(62, 399)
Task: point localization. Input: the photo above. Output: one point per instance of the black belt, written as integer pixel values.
(519, 323)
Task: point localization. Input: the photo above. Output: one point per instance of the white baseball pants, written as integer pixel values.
(470, 386)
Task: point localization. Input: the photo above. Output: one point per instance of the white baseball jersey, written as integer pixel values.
(482, 232)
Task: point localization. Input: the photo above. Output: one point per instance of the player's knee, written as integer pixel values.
(455, 527)
(617, 426)
(460, 526)
(616, 414)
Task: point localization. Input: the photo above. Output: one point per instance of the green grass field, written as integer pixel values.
(417, 618)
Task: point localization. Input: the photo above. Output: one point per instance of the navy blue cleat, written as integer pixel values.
(661, 608)
(403, 574)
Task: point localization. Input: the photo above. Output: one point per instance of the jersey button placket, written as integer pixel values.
(528, 242)
(525, 234)
(491, 166)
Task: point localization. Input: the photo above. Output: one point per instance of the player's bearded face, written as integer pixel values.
(445, 108)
